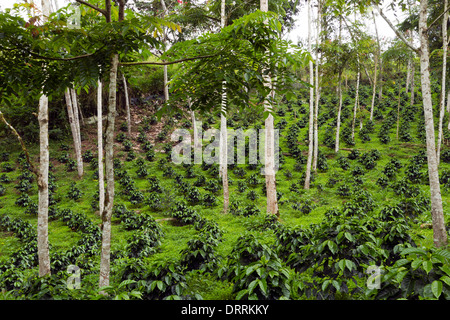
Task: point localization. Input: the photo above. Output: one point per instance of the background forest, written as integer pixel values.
(93, 207)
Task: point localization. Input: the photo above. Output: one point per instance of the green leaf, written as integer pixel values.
(349, 264)
(401, 262)
(332, 246)
(416, 263)
(272, 273)
(412, 250)
(125, 282)
(401, 275)
(349, 236)
(445, 269)
(427, 266)
(160, 285)
(341, 264)
(443, 253)
(336, 285)
(263, 285)
(251, 269)
(436, 288)
(364, 249)
(325, 285)
(446, 279)
(241, 293)
(252, 286)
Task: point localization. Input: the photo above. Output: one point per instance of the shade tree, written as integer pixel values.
(437, 214)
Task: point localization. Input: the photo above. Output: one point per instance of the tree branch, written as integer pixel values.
(61, 59)
(27, 155)
(211, 18)
(435, 20)
(34, 54)
(103, 12)
(166, 62)
(398, 33)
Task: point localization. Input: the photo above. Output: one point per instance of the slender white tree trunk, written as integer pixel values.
(127, 104)
(437, 213)
(73, 128)
(194, 125)
(413, 73)
(70, 115)
(269, 163)
(101, 181)
(448, 109)
(375, 77)
(166, 85)
(197, 143)
(380, 92)
(411, 69)
(42, 223)
(42, 228)
(355, 108)
(408, 75)
(316, 108)
(408, 70)
(444, 71)
(166, 77)
(76, 120)
(311, 105)
(398, 110)
(223, 130)
(338, 121)
(109, 174)
(224, 162)
(374, 88)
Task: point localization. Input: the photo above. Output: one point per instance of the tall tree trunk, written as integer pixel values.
(380, 92)
(448, 109)
(413, 88)
(166, 85)
(101, 181)
(375, 77)
(109, 170)
(224, 160)
(127, 105)
(338, 121)
(166, 77)
(444, 71)
(73, 128)
(197, 142)
(355, 108)
(80, 112)
(223, 130)
(408, 70)
(437, 213)
(42, 228)
(76, 120)
(42, 223)
(269, 163)
(316, 107)
(194, 126)
(398, 109)
(311, 104)
(408, 75)
(374, 88)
